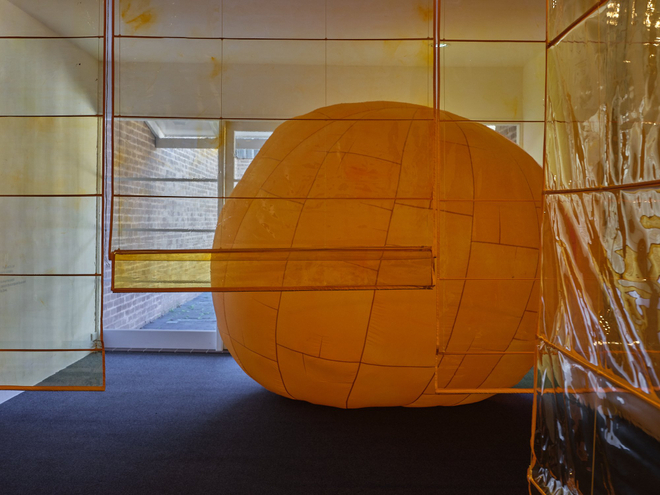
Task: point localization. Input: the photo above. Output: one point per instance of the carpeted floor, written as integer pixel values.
(195, 424)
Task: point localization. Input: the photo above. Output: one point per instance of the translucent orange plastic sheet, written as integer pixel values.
(51, 199)
(597, 408)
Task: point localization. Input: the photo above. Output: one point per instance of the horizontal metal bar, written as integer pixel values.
(161, 179)
(123, 229)
(654, 401)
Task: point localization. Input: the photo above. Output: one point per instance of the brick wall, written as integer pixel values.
(146, 223)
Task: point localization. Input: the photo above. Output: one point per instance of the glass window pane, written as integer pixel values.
(164, 223)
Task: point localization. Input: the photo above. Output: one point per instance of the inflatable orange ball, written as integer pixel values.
(363, 175)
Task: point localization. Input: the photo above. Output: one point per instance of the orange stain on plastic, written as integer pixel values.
(426, 13)
(217, 68)
(145, 17)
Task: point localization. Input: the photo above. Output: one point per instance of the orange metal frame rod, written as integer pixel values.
(654, 401)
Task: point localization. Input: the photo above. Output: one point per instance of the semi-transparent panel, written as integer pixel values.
(67, 160)
(389, 70)
(601, 251)
(313, 196)
(602, 103)
(591, 432)
(488, 236)
(479, 161)
(493, 81)
(164, 223)
(492, 20)
(51, 76)
(528, 135)
(252, 270)
(597, 401)
(51, 104)
(46, 312)
(379, 19)
(50, 370)
(54, 235)
(190, 19)
(272, 79)
(267, 19)
(491, 96)
(167, 157)
(168, 77)
(563, 13)
(53, 19)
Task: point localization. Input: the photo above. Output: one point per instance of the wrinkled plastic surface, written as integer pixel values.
(597, 404)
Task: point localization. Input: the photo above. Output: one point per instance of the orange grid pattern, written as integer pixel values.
(184, 266)
(52, 139)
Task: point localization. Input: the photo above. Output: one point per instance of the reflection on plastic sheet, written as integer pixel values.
(592, 436)
(597, 424)
(603, 106)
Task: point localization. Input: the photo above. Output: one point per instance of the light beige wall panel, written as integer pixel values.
(51, 18)
(380, 19)
(44, 312)
(50, 76)
(173, 18)
(272, 79)
(51, 235)
(492, 20)
(66, 159)
(268, 19)
(391, 70)
(168, 78)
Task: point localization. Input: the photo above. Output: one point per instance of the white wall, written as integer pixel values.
(533, 98)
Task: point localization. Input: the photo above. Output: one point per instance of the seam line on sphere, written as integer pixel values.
(373, 300)
(277, 354)
(529, 298)
(364, 345)
(423, 390)
(467, 266)
(293, 237)
(250, 350)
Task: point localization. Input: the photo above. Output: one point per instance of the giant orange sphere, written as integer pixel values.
(362, 176)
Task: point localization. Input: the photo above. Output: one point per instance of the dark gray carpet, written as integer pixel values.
(195, 424)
